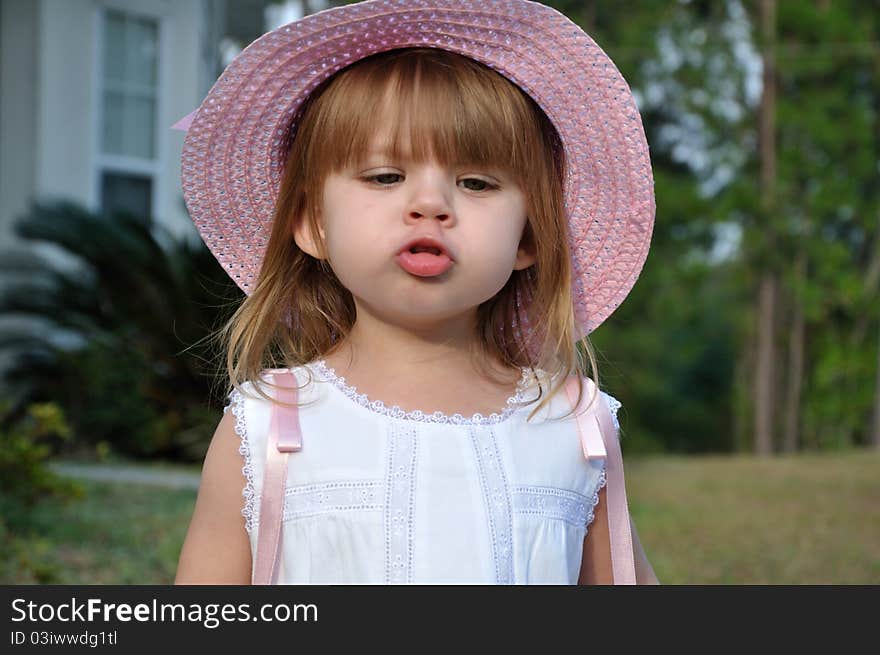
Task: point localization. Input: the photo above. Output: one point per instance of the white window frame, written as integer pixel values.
(122, 164)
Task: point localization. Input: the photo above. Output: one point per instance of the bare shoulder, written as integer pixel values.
(217, 549)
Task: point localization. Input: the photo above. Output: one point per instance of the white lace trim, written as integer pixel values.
(249, 511)
(613, 405)
(394, 411)
(595, 500)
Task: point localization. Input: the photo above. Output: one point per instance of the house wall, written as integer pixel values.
(19, 56)
(49, 108)
(49, 99)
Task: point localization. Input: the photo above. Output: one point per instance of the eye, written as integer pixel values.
(382, 178)
(486, 186)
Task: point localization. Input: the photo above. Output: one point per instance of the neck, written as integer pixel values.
(420, 364)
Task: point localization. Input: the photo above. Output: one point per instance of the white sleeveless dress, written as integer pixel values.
(381, 496)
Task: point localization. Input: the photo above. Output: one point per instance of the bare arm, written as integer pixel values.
(217, 549)
(596, 559)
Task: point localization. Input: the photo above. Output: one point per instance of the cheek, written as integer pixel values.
(492, 261)
(345, 247)
(356, 250)
(499, 239)
(363, 231)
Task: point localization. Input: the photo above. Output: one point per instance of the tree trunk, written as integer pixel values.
(766, 355)
(791, 439)
(872, 279)
(764, 366)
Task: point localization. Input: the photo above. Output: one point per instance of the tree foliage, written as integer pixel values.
(679, 352)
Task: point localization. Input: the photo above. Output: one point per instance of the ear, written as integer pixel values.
(526, 253)
(302, 236)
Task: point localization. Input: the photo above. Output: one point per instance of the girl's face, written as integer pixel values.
(371, 211)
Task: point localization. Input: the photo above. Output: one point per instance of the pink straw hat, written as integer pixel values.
(233, 154)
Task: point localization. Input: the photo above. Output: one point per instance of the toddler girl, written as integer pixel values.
(430, 204)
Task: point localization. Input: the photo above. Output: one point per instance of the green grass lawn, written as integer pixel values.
(805, 519)
(802, 519)
(115, 534)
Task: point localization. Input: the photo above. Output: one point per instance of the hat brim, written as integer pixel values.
(234, 150)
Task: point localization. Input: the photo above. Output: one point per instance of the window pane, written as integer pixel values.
(139, 125)
(127, 193)
(129, 85)
(114, 47)
(141, 54)
(112, 129)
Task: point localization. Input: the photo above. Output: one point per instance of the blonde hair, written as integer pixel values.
(455, 110)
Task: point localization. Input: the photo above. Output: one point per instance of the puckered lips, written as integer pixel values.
(425, 256)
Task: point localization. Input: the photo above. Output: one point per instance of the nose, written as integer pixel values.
(430, 196)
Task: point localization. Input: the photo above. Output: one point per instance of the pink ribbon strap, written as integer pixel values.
(284, 437)
(595, 427)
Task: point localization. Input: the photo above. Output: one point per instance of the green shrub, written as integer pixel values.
(137, 372)
(25, 480)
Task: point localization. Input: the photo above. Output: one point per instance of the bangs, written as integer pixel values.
(435, 105)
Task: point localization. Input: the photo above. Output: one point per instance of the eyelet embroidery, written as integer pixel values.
(561, 504)
(303, 501)
(497, 502)
(249, 511)
(513, 403)
(400, 485)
